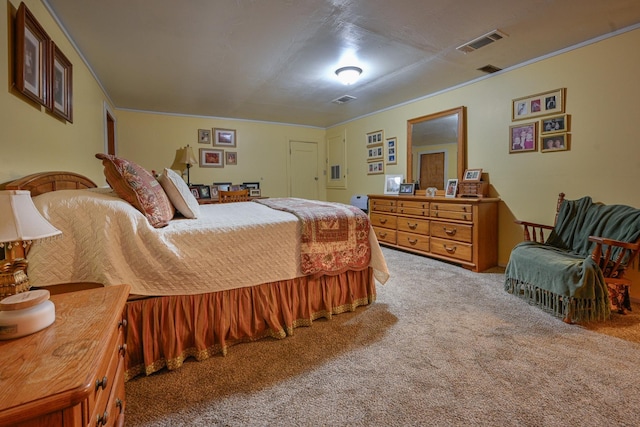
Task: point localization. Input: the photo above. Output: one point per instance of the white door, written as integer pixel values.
(303, 159)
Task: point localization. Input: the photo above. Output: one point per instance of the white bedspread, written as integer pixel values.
(106, 240)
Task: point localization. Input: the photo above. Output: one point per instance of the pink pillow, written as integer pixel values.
(137, 186)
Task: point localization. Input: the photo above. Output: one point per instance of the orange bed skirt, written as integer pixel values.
(164, 331)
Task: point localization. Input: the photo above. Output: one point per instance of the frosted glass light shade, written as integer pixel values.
(348, 75)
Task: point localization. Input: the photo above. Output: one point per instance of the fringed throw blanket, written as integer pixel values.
(334, 236)
(559, 275)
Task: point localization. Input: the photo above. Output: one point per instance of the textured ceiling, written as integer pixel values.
(274, 60)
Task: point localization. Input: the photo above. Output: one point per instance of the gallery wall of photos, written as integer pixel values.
(380, 152)
(550, 132)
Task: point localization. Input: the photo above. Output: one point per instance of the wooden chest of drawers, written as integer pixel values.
(71, 373)
(464, 231)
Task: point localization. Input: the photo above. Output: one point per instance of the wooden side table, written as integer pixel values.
(72, 372)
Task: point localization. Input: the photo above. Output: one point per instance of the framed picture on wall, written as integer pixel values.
(390, 150)
(554, 142)
(211, 158)
(541, 104)
(554, 124)
(224, 137)
(523, 137)
(375, 168)
(61, 79)
(32, 57)
(374, 138)
(204, 136)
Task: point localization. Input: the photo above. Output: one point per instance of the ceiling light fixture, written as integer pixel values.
(348, 75)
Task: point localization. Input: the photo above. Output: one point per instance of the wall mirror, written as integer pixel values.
(436, 147)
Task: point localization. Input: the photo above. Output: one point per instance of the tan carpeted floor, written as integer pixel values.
(442, 346)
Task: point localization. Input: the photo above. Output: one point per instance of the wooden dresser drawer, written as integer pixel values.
(381, 220)
(451, 249)
(452, 207)
(453, 231)
(382, 205)
(457, 215)
(411, 207)
(413, 225)
(386, 235)
(413, 241)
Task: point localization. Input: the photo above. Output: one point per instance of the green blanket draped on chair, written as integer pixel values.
(560, 276)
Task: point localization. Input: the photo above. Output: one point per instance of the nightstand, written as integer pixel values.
(72, 372)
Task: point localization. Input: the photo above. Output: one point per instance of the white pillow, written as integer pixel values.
(179, 194)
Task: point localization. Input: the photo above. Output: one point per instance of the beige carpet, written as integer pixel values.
(441, 346)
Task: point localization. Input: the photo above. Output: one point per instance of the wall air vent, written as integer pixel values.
(482, 41)
(489, 69)
(343, 99)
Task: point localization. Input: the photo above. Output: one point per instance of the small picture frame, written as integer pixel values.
(523, 137)
(554, 124)
(211, 158)
(375, 167)
(32, 59)
(251, 185)
(407, 188)
(204, 191)
(392, 184)
(204, 136)
(452, 188)
(214, 192)
(390, 148)
(374, 138)
(254, 192)
(61, 78)
(195, 192)
(224, 137)
(554, 142)
(472, 175)
(231, 157)
(222, 186)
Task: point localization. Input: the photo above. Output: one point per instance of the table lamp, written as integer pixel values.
(189, 159)
(20, 224)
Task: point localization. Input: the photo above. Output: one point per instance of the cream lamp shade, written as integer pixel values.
(20, 220)
(188, 157)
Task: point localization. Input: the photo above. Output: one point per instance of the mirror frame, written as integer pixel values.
(462, 139)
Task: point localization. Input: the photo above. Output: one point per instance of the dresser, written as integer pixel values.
(71, 373)
(460, 230)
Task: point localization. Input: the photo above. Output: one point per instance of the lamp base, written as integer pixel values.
(13, 279)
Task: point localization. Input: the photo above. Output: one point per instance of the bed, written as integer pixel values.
(235, 274)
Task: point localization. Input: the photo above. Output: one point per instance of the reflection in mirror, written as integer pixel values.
(436, 148)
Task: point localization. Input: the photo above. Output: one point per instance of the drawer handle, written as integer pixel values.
(451, 232)
(102, 420)
(122, 323)
(393, 210)
(412, 241)
(436, 214)
(383, 235)
(122, 350)
(383, 220)
(465, 218)
(119, 404)
(102, 383)
(451, 250)
(412, 226)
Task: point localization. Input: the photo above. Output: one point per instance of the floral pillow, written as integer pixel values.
(137, 186)
(179, 194)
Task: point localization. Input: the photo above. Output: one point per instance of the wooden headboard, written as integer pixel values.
(44, 182)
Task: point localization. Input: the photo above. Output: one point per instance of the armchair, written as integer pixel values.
(577, 272)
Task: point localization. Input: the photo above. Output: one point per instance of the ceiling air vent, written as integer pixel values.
(343, 99)
(482, 41)
(489, 69)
